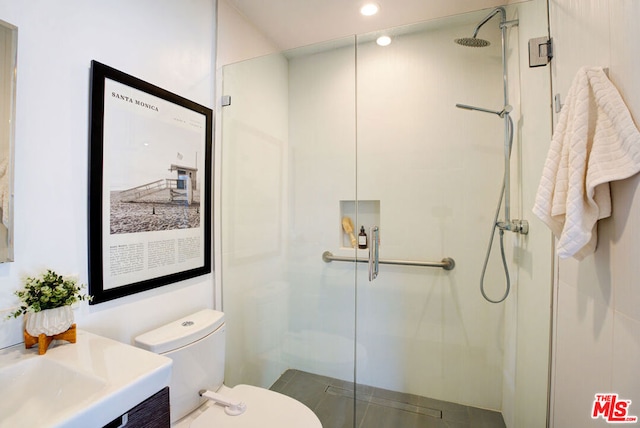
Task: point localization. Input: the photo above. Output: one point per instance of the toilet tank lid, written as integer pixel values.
(180, 332)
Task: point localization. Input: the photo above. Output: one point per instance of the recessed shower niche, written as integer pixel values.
(361, 213)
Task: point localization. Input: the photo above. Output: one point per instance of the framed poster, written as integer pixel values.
(150, 157)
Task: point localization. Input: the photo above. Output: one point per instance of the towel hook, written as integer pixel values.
(557, 101)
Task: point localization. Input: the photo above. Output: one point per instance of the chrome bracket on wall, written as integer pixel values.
(540, 51)
(557, 102)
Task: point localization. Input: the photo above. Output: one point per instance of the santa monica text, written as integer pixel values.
(132, 101)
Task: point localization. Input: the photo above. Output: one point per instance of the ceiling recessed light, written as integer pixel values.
(369, 9)
(383, 41)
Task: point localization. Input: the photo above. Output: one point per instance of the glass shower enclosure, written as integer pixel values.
(321, 142)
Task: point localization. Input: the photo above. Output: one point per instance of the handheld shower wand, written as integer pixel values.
(502, 113)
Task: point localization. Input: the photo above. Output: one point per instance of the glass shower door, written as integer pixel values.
(428, 177)
(288, 179)
(322, 142)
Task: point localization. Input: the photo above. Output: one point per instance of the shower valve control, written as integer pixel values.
(517, 226)
(520, 226)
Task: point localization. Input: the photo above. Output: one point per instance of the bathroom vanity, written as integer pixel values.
(95, 382)
(151, 413)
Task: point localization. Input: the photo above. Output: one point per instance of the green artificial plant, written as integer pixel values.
(48, 291)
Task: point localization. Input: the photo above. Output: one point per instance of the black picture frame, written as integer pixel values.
(144, 232)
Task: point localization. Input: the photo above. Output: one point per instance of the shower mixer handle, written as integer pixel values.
(517, 226)
(520, 226)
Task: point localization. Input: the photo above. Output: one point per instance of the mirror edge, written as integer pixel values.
(9, 256)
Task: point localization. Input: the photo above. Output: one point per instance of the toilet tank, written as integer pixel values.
(196, 344)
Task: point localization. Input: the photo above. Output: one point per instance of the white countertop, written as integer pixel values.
(85, 384)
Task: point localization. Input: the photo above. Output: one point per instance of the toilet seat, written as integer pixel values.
(265, 409)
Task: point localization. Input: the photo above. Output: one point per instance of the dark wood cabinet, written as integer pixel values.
(151, 413)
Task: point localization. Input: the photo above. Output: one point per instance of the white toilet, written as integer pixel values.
(196, 344)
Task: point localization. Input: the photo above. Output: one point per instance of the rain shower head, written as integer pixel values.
(473, 41)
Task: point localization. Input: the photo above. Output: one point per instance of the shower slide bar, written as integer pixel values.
(447, 263)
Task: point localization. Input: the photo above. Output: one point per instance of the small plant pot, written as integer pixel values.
(49, 321)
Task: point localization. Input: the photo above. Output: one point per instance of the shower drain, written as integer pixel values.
(426, 411)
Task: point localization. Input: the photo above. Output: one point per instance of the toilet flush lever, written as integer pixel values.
(231, 408)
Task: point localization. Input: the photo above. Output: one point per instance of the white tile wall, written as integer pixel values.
(598, 320)
(625, 61)
(585, 327)
(580, 30)
(626, 355)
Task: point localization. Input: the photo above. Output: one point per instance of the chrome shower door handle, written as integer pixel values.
(374, 252)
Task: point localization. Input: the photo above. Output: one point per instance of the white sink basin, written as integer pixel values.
(86, 384)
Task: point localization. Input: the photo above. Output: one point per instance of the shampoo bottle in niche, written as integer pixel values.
(362, 238)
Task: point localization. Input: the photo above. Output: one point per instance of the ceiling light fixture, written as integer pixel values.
(383, 41)
(369, 9)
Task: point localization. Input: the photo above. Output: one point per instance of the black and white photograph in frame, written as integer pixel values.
(149, 186)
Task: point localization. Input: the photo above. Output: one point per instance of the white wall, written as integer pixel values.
(164, 42)
(238, 39)
(597, 321)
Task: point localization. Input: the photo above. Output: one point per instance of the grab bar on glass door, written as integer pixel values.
(447, 263)
(374, 252)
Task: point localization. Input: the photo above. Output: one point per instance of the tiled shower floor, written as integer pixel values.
(332, 400)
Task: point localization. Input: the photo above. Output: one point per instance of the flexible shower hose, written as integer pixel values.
(493, 232)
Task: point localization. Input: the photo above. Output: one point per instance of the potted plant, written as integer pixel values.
(46, 303)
